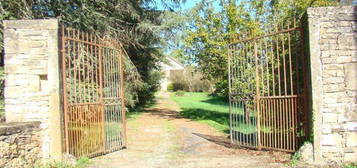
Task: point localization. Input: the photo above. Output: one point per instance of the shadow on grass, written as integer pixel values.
(202, 114)
(217, 100)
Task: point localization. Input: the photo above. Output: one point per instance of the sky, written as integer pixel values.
(187, 5)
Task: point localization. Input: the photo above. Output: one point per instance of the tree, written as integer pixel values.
(135, 23)
(210, 30)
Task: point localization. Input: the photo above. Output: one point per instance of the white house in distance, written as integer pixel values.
(167, 66)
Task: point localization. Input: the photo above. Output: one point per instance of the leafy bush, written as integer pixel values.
(179, 86)
(170, 87)
(295, 159)
(180, 93)
(189, 80)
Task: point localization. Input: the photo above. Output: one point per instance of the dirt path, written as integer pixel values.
(160, 138)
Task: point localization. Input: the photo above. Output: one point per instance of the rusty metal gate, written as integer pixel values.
(267, 90)
(93, 94)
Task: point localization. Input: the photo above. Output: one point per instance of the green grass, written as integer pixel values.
(80, 163)
(351, 165)
(212, 110)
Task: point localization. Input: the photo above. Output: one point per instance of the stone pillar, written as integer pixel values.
(333, 56)
(32, 91)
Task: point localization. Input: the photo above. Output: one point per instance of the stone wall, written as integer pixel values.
(20, 144)
(333, 48)
(32, 78)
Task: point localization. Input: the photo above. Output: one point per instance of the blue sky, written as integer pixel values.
(188, 4)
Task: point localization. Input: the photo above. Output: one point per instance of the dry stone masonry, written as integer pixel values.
(20, 144)
(32, 78)
(333, 48)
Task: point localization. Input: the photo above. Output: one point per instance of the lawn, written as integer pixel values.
(212, 110)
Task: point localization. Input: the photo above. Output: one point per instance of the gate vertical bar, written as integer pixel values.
(64, 87)
(100, 66)
(230, 93)
(257, 93)
(122, 89)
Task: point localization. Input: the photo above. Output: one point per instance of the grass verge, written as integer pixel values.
(80, 163)
(201, 107)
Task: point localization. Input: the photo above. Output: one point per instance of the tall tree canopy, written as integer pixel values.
(209, 28)
(135, 23)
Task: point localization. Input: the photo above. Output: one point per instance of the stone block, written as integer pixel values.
(34, 83)
(344, 59)
(331, 149)
(328, 41)
(333, 67)
(332, 80)
(326, 129)
(337, 95)
(350, 157)
(16, 80)
(48, 24)
(350, 126)
(351, 139)
(330, 100)
(14, 91)
(332, 140)
(334, 88)
(345, 24)
(44, 86)
(351, 75)
(346, 41)
(344, 17)
(17, 68)
(329, 117)
(328, 60)
(24, 46)
(329, 36)
(348, 114)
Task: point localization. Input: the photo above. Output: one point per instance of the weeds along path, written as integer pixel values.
(160, 138)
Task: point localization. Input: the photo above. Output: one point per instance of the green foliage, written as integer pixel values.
(208, 31)
(180, 93)
(190, 80)
(350, 165)
(136, 24)
(80, 163)
(295, 159)
(179, 86)
(170, 87)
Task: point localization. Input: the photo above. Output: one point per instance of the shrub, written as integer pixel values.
(189, 80)
(180, 93)
(170, 87)
(179, 86)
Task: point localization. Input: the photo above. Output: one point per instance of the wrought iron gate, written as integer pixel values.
(267, 86)
(93, 94)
